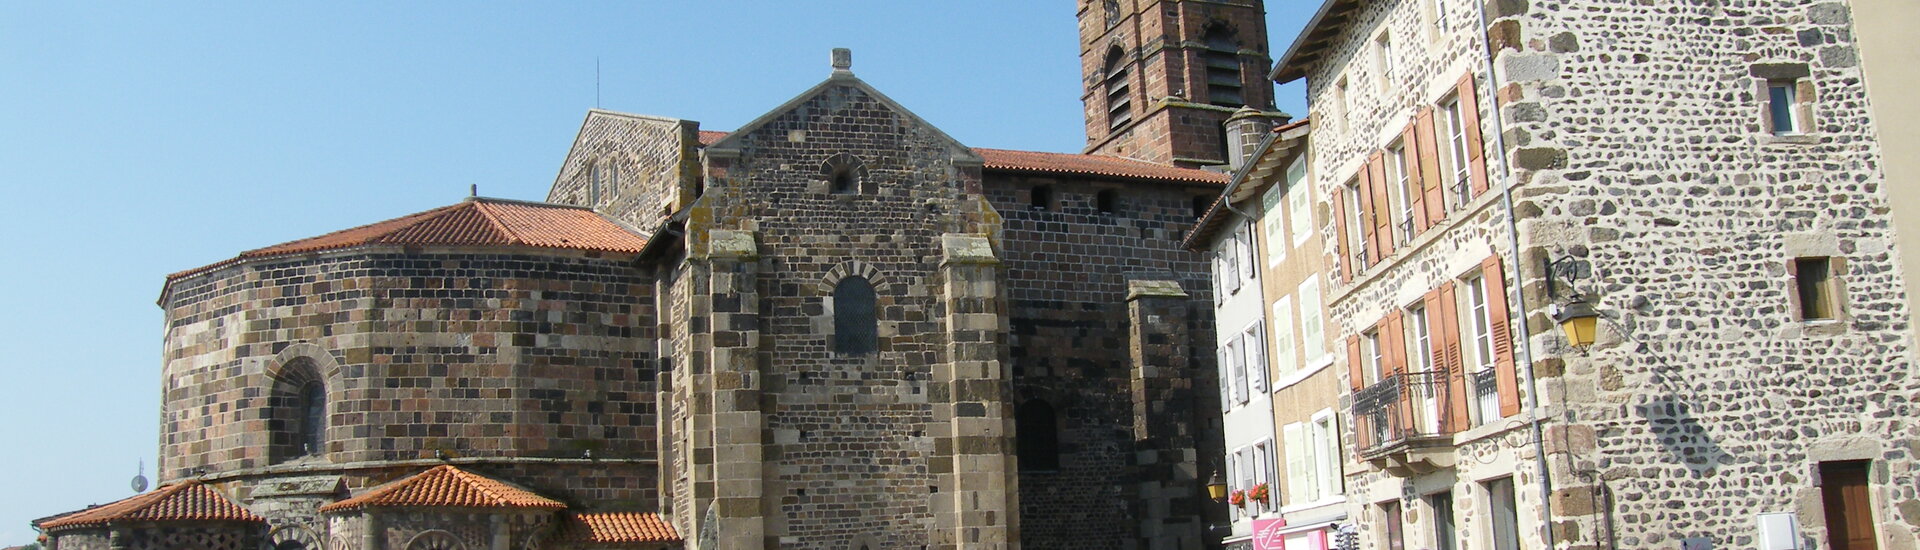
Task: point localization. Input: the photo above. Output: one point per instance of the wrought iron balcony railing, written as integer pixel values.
(1402, 410)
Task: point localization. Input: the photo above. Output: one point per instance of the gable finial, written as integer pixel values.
(842, 61)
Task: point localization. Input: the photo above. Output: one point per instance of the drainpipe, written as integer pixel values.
(1525, 348)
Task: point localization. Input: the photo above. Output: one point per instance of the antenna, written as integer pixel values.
(596, 82)
(140, 478)
(473, 190)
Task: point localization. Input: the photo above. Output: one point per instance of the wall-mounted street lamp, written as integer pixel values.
(1217, 487)
(1576, 318)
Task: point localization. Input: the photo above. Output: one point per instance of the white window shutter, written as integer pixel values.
(1239, 358)
(1247, 263)
(1225, 367)
(1257, 357)
(1329, 452)
(1300, 485)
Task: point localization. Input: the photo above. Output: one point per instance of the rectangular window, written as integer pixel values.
(1234, 467)
(1245, 240)
(1421, 348)
(1457, 164)
(1263, 473)
(1403, 189)
(1247, 475)
(1437, 17)
(1782, 103)
(1392, 537)
(1256, 350)
(1444, 537)
(1272, 205)
(1481, 323)
(1301, 488)
(1358, 221)
(1375, 360)
(1383, 58)
(1299, 201)
(1283, 351)
(1326, 440)
(1814, 279)
(1229, 255)
(1340, 104)
(1313, 337)
(1506, 514)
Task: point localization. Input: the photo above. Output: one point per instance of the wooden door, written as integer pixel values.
(1843, 490)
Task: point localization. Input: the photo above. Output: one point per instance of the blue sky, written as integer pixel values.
(146, 138)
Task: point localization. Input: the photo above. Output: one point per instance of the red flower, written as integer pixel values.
(1259, 492)
(1239, 498)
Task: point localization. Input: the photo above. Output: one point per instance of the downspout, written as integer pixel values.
(1526, 338)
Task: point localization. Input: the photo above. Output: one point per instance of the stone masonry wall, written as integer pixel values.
(848, 455)
(647, 165)
(479, 353)
(1639, 134)
(1067, 270)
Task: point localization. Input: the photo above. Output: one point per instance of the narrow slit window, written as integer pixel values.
(1042, 197)
(1814, 279)
(1118, 88)
(1108, 201)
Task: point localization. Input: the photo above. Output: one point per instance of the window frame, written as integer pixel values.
(1457, 164)
(1787, 107)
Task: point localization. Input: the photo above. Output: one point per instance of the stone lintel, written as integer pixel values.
(958, 248)
(731, 244)
(1138, 289)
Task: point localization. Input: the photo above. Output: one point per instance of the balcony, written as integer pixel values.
(1404, 424)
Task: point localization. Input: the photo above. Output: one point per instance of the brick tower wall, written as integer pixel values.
(1162, 42)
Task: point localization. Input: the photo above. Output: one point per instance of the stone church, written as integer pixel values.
(833, 327)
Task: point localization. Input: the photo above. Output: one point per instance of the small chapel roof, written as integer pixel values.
(607, 527)
(185, 501)
(445, 486)
(477, 221)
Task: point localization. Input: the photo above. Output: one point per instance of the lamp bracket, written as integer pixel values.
(1564, 271)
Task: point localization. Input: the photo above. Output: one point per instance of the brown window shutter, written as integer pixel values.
(1356, 376)
(1367, 225)
(1431, 183)
(1392, 336)
(1382, 205)
(1338, 207)
(1410, 155)
(1470, 123)
(1443, 311)
(1504, 375)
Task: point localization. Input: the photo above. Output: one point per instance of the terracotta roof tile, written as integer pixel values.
(1068, 163)
(616, 527)
(445, 486)
(473, 222)
(187, 501)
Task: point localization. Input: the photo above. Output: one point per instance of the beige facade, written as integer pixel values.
(1892, 67)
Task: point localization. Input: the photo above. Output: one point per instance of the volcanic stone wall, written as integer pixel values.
(488, 353)
(848, 458)
(647, 167)
(1640, 133)
(1067, 266)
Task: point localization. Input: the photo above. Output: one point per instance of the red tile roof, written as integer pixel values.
(445, 486)
(186, 501)
(1096, 165)
(616, 527)
(473, 222)
(1068, 163)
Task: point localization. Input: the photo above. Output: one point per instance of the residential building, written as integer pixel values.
(1269, 205)
(1701, 181)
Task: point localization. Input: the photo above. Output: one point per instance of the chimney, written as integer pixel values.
(1245, 129)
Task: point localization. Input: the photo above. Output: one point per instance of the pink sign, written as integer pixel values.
(1266, 534)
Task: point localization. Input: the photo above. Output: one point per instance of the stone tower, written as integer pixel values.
(1162, 76)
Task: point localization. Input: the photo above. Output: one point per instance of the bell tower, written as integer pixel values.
(1161, 77)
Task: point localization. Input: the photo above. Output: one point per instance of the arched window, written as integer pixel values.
(846, 175)
(1119, 101)
(855, 325)
(1222, 59)
(1038, 434)
(298, 417)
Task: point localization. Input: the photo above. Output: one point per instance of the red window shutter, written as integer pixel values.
(1356, 376)
(1382, 205)
(1367, 197)
(1416, 192)
(1444, 316)
(1339, 211)
(1504, 375)
(1470, 122)
(1431, 183)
